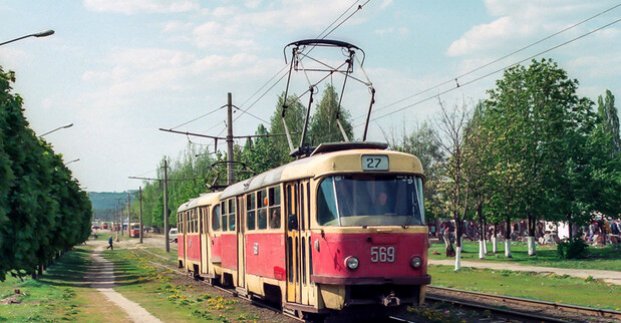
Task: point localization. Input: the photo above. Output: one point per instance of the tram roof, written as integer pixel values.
(202, 200)
(322, 164)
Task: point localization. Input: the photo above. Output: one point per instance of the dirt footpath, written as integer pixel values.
(102, 279)
(608, 276)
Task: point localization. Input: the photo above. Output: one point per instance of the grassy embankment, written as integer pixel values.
(169, 296)
(60, 295)
(548, 287)
(602, 258)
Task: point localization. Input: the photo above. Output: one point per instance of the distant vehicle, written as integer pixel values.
(134, 230)
(172, 235)
(95, 227)
(105, 226)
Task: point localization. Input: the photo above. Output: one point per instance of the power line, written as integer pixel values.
(199, 117)
(319, 36)
(496, 71)
(456, 78)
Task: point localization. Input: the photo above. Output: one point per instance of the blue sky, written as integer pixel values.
(119, 70)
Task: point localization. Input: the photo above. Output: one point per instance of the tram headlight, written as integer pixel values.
(352, 262)
(416, 262)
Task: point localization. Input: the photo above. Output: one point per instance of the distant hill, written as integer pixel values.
(104, 203)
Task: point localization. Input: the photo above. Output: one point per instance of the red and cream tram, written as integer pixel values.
(341, 229)
(194, 249)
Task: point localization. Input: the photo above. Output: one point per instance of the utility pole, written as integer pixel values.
(229, 140)
(129, 216)
(165, 187)
(140, 214)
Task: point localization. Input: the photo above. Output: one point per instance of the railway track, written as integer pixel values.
(521, 308)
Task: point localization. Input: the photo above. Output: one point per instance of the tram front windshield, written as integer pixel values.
(370, 200)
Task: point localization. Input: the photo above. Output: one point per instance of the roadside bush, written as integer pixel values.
(575, 248)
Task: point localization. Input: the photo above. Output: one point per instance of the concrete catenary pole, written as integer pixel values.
(229, 141)
(140, 214)
(165, 188)
(129, 215)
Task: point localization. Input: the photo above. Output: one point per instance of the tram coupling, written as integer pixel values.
(391, 300)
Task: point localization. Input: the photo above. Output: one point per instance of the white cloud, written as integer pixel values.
(522, 22)
(141, 6)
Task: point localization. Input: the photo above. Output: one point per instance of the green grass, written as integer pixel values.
(560, 289)
(167, 295)
(59, 295)
(602, 258)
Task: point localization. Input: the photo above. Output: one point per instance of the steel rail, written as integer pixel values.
(506, 300)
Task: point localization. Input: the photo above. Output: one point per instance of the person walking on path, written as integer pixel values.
(110, 246)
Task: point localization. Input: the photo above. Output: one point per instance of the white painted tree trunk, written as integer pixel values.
(484, 247)
(531, 246)
(481, 249)
(508, 248)
(457, 258)
(494, 245)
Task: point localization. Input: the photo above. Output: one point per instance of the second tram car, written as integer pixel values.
(342, 229)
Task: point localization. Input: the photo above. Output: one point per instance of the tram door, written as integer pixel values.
(241, 242)
(292, 243)
(204, 227)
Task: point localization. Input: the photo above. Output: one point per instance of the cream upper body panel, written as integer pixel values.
(345, 161)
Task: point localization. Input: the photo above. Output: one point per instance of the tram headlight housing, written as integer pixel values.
(416, 262)
(352, 262)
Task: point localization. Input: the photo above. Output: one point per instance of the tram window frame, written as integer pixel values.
(251, 217)
(195, 220)
(223, 216)
(262, 211)
(274, 203)
(215, 219)
(204, 217)
(232, 208)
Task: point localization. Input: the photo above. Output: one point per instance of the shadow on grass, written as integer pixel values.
(78, 269)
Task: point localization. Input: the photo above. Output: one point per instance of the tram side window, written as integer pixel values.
(195, 221)
(262, 209)
(215, 218)
(274, 207)
(326, 206)
(223, 215)
(250, 209)
(231, 210)
(190, 223)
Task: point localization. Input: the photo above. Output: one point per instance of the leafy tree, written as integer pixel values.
(294, 117)
(42, 209)
(323, 125)
(478, 161)
(536, 118)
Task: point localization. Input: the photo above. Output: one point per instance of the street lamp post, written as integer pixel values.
(41, 34)
(56, 129)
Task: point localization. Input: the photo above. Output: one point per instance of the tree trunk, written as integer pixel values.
(531, 235)
(458, 233)
(508, 238)
(570, 228)
(482, 231)
(484, 236)
(495, 238)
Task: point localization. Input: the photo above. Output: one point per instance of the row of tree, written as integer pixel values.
(533, 149)
(43, 210)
